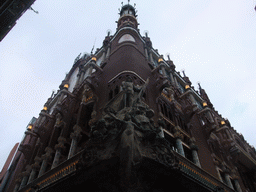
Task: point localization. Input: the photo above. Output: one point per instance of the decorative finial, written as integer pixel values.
(168, 56)
(122, 3)
(199, 85)
(53, 92)
(128, 2)
(108, 32)
(183, 71)
(146, 33)
(93, 46)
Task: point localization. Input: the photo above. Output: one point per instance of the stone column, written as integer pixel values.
(35, 168)
(46, 158)
(178, 136)
(194, 150)
(59, 147)
(75, 136)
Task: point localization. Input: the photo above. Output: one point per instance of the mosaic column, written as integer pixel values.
(192, 99)
(236, 182)
(238, 188)
(75, 136)
(17, 185)
(59, 147)
(35, 168)
(108, 51)
(194, 150)
(104, 54)
(172, 79)
(25, 176)
(146, 52)
(227, 178)
(178, 136)
(46, 158)
(80, 75)
(151, 57)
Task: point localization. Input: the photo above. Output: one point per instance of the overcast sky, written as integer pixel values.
(213, 40)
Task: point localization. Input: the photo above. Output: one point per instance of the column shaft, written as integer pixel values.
(32, 175)
(43, 168)
(228, 181)
(72, 148)
(56, 158)
(23, 181)
(195, 158)
(180, 147)
(238, 188)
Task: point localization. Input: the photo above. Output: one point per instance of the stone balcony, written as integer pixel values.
(188, 171)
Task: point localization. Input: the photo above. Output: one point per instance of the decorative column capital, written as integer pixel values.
(77, 128)
(36, 165)
(233, 174)
(61, 142)
(177, 133)
(77, 132)
(59, 121)
(48, 153)
(192, 144)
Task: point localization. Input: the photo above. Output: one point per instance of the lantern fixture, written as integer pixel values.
(66, 86)
(160, 60)
(30, 127)
(94, 59)
(187, 86)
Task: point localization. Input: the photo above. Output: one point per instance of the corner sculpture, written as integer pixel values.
(127, 132)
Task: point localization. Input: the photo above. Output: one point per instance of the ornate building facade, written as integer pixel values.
(124, 119)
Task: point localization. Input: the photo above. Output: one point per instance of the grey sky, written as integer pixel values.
(213, 40)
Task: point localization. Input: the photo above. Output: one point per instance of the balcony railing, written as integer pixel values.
(188, 169)
(61, 171)
(198, 174)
